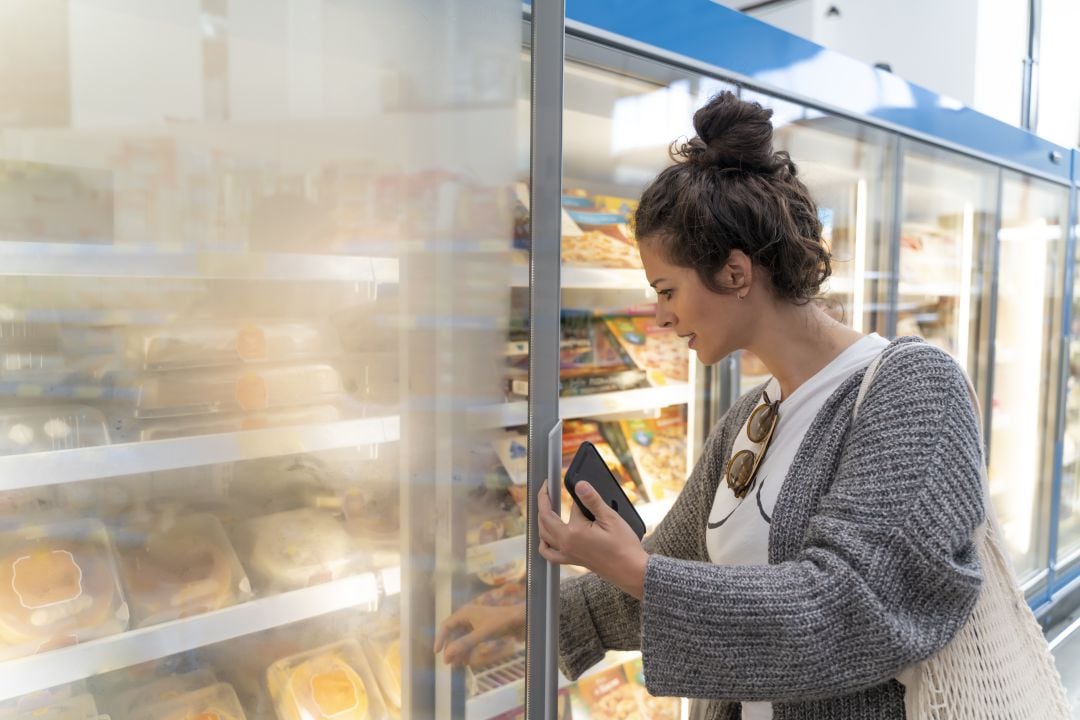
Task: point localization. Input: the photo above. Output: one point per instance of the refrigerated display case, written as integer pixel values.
(848, 168)
(1023, 404)
(947, 220)
(269, 330)
(255, 280)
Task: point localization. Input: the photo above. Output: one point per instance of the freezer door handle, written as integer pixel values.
(551, 642)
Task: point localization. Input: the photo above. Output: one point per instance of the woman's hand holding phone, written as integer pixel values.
(608, 546)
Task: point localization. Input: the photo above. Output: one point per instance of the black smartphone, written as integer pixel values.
(588, 465)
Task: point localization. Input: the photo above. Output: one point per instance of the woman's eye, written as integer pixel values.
(666, 294)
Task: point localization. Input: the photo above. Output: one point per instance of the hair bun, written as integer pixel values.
(733, 134)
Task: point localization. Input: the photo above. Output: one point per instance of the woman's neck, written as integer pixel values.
(796, 341)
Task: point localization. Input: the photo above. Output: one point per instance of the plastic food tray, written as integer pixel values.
(58, 586)
(237, 390)
(55, 427)
(210, 346)
(334, 681)
(179, 568)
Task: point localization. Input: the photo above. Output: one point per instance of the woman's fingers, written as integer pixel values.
(592, 500)
(448, 626)
(458, 652)
(552, 555)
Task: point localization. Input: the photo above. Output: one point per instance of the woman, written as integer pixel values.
(811, 557)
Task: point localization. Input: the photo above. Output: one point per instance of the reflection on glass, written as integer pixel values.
(947, 220)
(1029, 305)
(255, 285)
(846, 166)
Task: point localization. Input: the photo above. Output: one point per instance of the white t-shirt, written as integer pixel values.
(738, 530)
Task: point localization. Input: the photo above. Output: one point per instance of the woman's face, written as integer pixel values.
(710, 322)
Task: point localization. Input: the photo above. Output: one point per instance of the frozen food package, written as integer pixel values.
(576, 432)
(606, 695)
(243, 389)
(21, 336)
(333, 681)
(597, 248)
(373, 515)
(653, 348)
(384, 657)
(650, 707)
(57, 427)
(512, 448)
(78, 707)
(41, 698)
(126, 704)
(268, 485)
(658, 449)
(371, 377)
(177, 348)
(509, 572)
(297, 548)
(58, 586)
(175, 567)
(192, 425)
(216, 702)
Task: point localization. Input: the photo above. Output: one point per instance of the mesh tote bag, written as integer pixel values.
(998, 667)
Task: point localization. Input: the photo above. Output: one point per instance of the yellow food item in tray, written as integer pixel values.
(58, 586)
(216, 702)
(334, 681)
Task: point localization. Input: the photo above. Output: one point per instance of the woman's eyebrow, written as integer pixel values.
(653, 283)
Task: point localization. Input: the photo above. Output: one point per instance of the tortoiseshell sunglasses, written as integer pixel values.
(744, 464)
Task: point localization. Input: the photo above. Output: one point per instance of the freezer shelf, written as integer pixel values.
(71, 260)
(494, 698)
(588, 277)
(38, 672)
(489, 556)
(64, 466)
(516, 413)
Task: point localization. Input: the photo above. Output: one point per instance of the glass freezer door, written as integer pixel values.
(1024, 404)
(253, 287)
(848, 169)
(947, 221)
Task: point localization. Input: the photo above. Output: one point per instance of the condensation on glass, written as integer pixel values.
(255, 260)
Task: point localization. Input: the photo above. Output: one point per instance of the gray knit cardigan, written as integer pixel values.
(872, 565)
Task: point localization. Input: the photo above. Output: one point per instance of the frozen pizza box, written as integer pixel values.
(657, 447)
(657, 350)
(650, 706)
(619, 693)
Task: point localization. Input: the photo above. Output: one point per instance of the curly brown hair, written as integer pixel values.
(728, 190)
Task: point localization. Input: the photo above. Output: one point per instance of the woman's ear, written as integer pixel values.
(738, 273)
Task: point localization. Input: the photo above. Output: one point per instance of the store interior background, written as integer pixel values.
(974, 51)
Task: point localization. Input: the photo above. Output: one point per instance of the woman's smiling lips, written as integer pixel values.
(692, 337)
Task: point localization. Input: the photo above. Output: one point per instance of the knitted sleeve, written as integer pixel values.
(595, 616)
(887, 575)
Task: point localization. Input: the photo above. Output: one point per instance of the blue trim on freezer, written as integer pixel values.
(740, 44)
